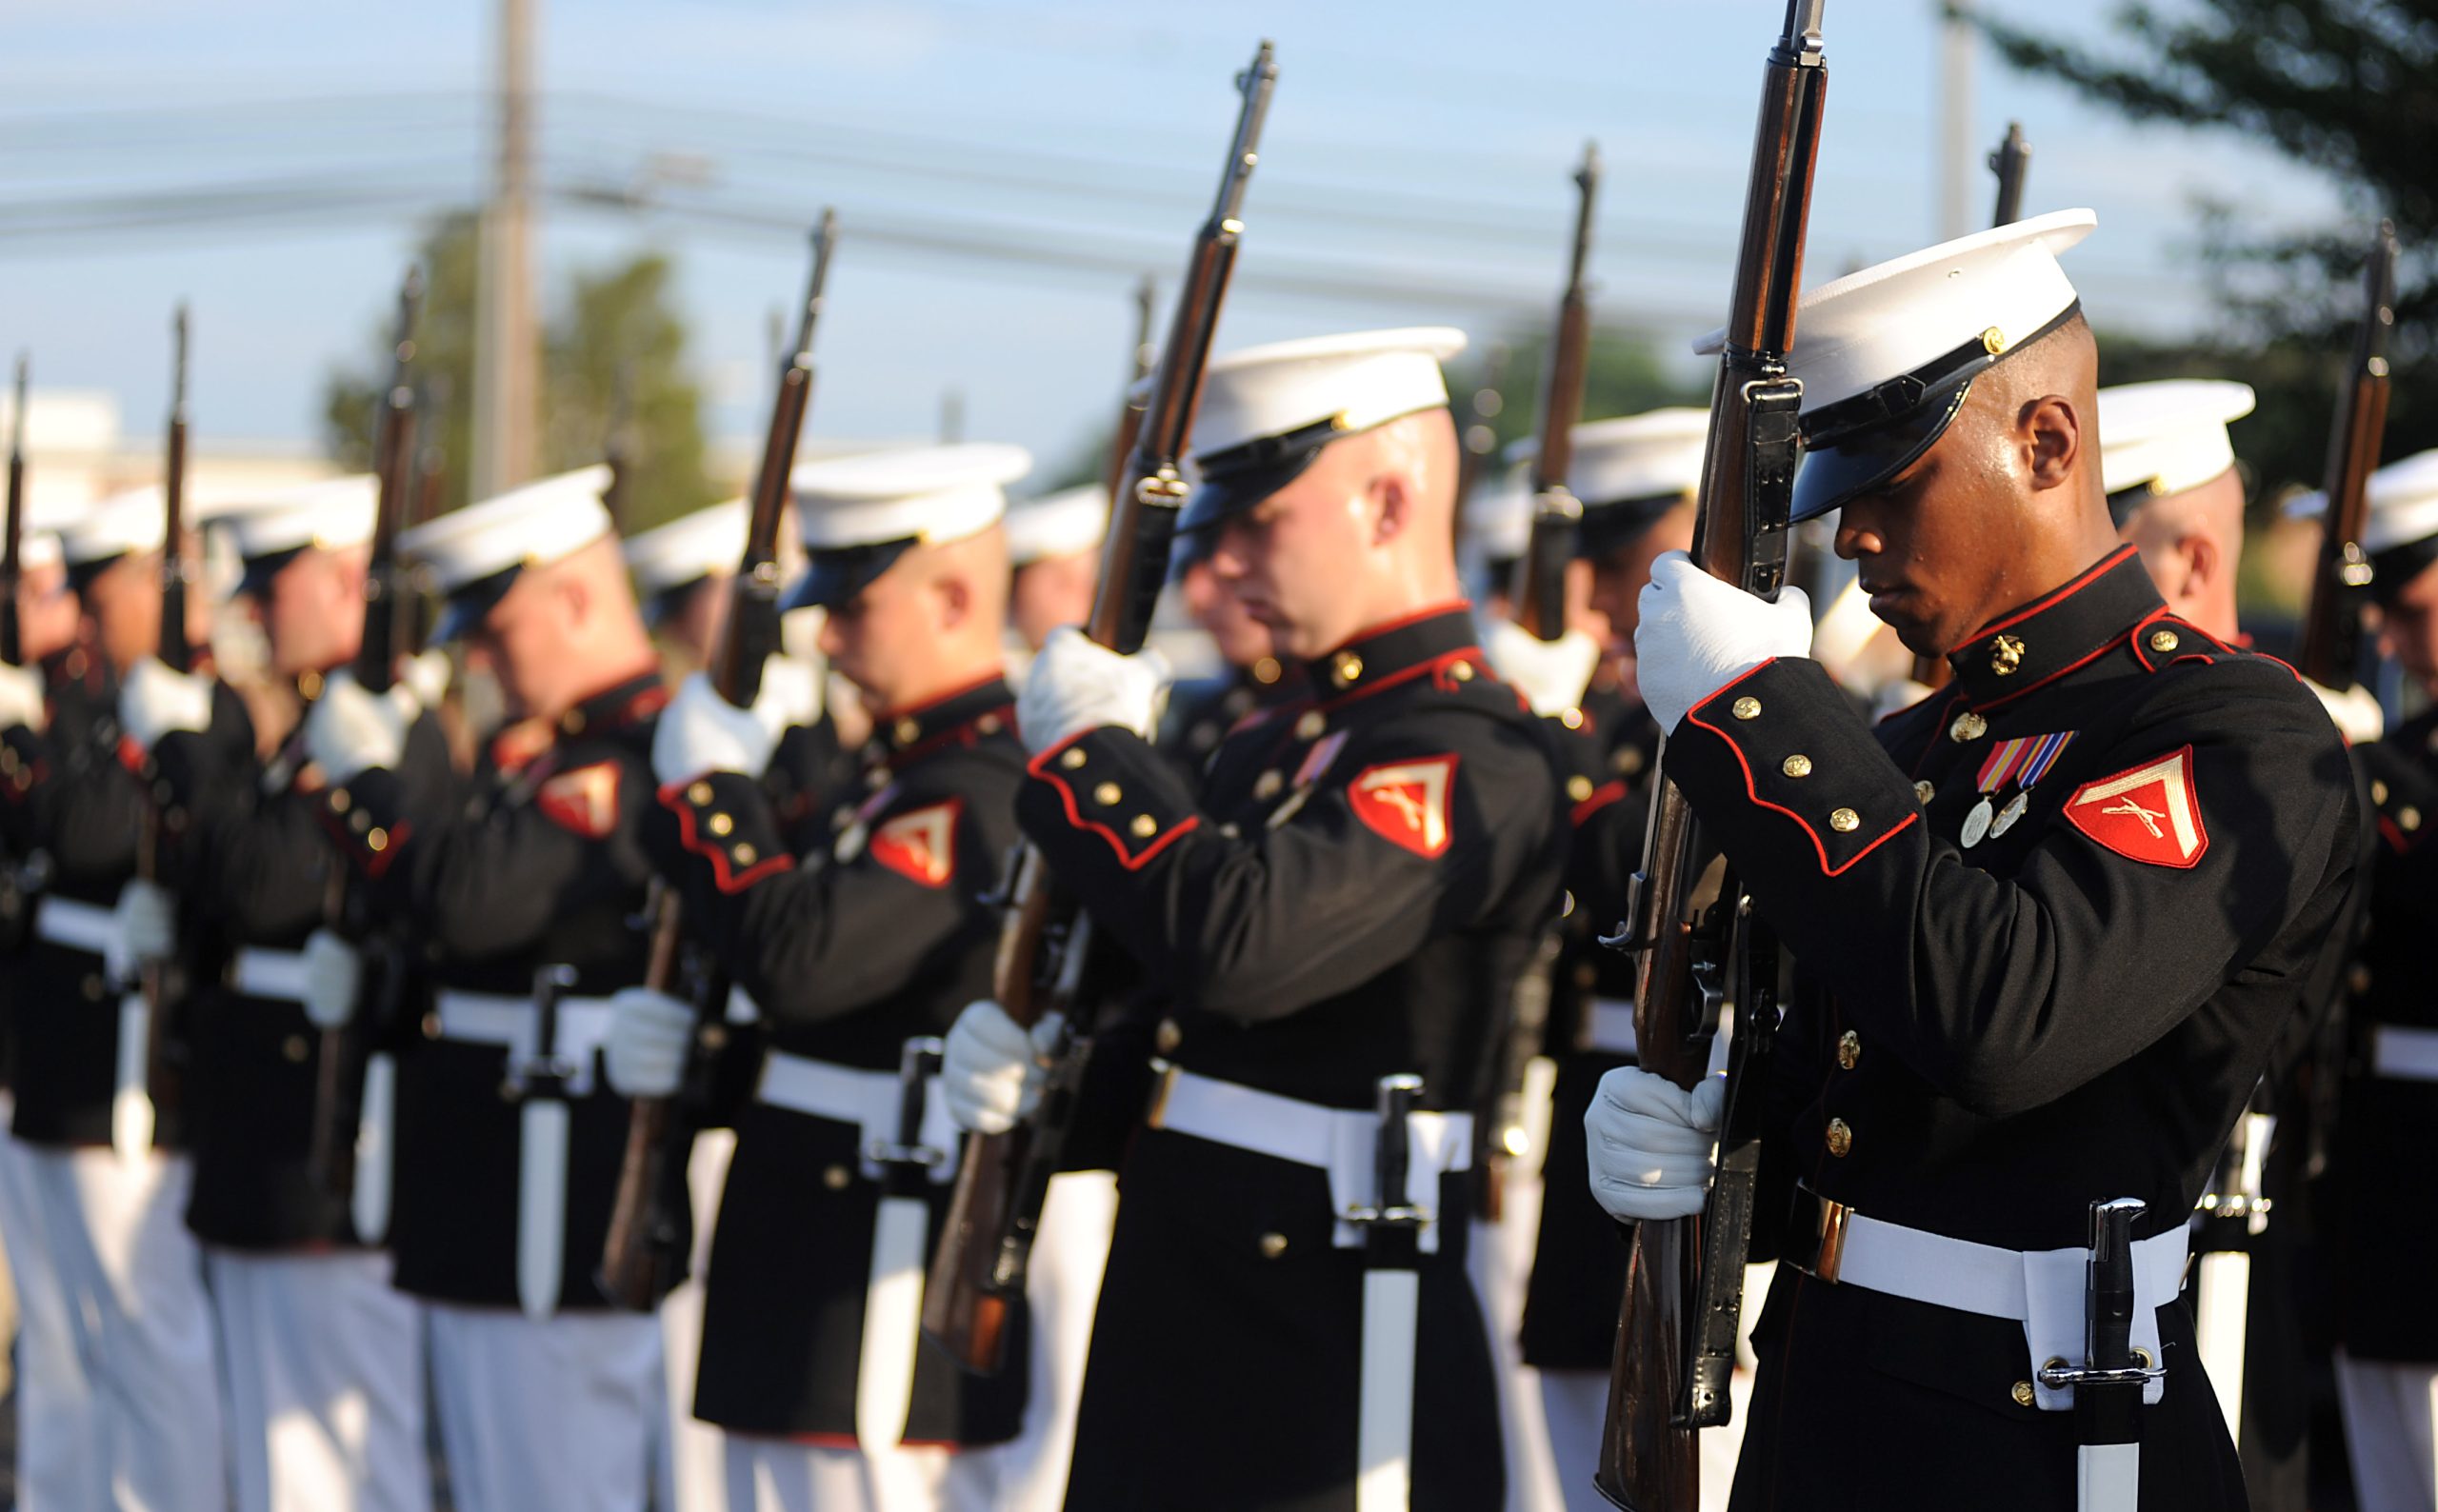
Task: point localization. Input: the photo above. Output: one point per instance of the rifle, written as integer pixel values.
(1699, 949)
(644, 1248)
(142, 1052)
(1130, 414)
(1539, 591)
(2010, 160)
(1002, 1179)
(331, 1151)
(12, 536)
(2332, 648)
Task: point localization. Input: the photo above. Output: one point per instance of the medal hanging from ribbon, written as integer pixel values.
(2021, 762)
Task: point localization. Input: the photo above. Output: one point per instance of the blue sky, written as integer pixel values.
(1014, 166)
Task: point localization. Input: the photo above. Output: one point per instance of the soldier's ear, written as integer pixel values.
(1392, 502)
(2051, 428)
(956, 601)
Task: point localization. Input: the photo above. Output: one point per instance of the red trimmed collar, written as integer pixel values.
(963, 716)
(1390, 651)
(2056, 633)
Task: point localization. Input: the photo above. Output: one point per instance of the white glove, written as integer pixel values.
(350, 732)
(154, 702)
(1652, 1143)
(991, 1071)
(426, 674)
(147, 922)
(1075, 685)
(1698, 634)
(794, 687)
(2358, 717)
(1901, 694)
(648, 1033)
(701, 732)
(1551, 675)
(20, 701)
(333, 979)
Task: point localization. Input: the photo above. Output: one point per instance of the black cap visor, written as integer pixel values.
(2393, 568)
(81, 574)
(1863, 458)
(1238, 479)
(465, 609)
(260, 571)
(838, 573)
(660, 608)
(1611, 527)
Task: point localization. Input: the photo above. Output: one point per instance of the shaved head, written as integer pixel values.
(2192, 543)
(567, 631)
(926, 628)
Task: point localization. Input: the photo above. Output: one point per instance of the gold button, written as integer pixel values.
(988, 724)
(2408, 819)
(1849, 1049)
(338, 800)
(376, 841)
(1071, 758)
(1310, 726)
(1266, 670)
(906, 731)
(94, 987)
(1106, 793)
(699, 793)
(1993, 341)
(1144, 826)
(1168, 1037)
(432, 1025)
(837, 1178)
(2164, 640)
(1745, 708)
(1845, 820)
(877, 778)
(2378, 791)
(1578, 787)
(1461, 671)
(1571, 719)
(745, 855)
(1797, 764)
(2023, 1394)
(2358, 979)
(720, 823)
(1628, 761)
(295, 1049)
(1923, 791)
(574, 722)
(1967, 726)
(2005, 655)
(1841, 1138)
(1272, 1246)
(1268, 784)
(1346, 669)
(359, 821)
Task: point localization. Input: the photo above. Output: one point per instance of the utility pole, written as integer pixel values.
(1959, 158)
(509, 347)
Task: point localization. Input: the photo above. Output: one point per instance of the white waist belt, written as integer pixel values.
(1344, 1142)
(867, 1099)
(2042, 1290)
(1612, 1026)
(2404, 1054)
(73, 925)
(275, 974)
(495, 1017)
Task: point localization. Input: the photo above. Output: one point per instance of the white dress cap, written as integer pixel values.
(2161, 438)
(333, 512)
(475, 553)
(1498, 518)
(857, 514)
(1067, 523)
(122, 525)
(1630, 472)
(2404, 514)
(1886, 354)
(1266, 412)
(688, 548)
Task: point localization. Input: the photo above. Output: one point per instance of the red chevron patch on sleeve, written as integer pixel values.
(2147, 814)
(585, 800)
(1407, 802)
(920, 845)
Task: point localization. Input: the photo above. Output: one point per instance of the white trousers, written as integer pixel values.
(324, 1363)
(696, 1467)
(559, 1416)
(1062, 1289)
(775, 1475)
(117, 1231)
(2388, 1411)
(59, 1444)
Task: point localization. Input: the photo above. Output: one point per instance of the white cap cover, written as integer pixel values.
(1064, 524)
(475, 553)
(2402, 528)
(857, 514)
(690, 547)
(122, 525)
(334, 512)
(2166, 437)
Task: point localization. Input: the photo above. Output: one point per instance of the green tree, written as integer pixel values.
(613, 359)
(2343, 86)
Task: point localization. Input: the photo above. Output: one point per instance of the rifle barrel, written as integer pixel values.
(2332, 645)
(12, 534)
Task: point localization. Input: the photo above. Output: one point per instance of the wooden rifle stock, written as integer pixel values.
(12, 536)
(1690, 953)
(177, 653)
(2009, 160)
(1129, 411)
(2331, 649)
(1539, 589)
(978, 1269)
(331, 1148)
(642, 1249)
